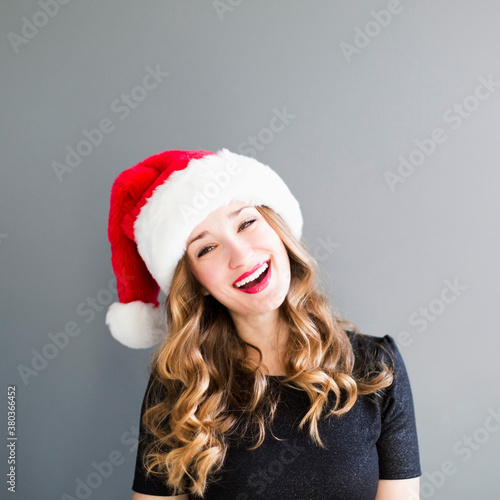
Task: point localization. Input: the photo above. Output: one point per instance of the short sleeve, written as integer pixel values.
(397, 445)
(154, 484)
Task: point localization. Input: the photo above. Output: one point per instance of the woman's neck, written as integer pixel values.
(270, 334)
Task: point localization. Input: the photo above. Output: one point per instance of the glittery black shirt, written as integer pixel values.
(374, 440)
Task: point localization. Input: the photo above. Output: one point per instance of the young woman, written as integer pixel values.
(258, 388)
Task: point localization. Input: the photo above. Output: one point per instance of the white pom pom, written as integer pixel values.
(137, 325)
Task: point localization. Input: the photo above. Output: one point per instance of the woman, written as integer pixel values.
(258, 389)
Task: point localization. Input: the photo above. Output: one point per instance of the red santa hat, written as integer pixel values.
(155, 206)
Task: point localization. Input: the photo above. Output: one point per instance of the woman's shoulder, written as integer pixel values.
(160, 391)
(369, 347)
(374, 355)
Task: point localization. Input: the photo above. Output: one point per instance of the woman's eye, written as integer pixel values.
(247, 222)
(202, 251)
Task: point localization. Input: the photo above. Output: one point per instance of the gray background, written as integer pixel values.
(230, 70)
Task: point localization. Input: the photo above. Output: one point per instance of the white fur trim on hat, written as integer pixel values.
(126, 320)
(188, 196)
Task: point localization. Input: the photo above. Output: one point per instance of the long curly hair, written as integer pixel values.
(209, 391)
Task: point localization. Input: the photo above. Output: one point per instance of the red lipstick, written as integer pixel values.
(254, 268)
(261, 285)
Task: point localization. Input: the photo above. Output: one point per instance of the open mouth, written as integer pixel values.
(255, 281)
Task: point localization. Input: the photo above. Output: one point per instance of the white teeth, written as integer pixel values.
(252, 276)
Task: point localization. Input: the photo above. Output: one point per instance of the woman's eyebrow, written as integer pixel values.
(230, 215)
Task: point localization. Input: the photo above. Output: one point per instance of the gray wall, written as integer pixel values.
(417, 260)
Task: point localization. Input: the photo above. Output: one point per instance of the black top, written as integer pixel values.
(374, 440)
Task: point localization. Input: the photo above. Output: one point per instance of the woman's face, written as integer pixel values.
(236, 241)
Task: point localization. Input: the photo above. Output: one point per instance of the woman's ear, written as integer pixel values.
(204, 291)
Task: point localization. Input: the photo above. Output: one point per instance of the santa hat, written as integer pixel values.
(155, 206)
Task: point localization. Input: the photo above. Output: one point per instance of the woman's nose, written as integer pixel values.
(240, 254)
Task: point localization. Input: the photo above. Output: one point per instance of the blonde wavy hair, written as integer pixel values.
(206, 392)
